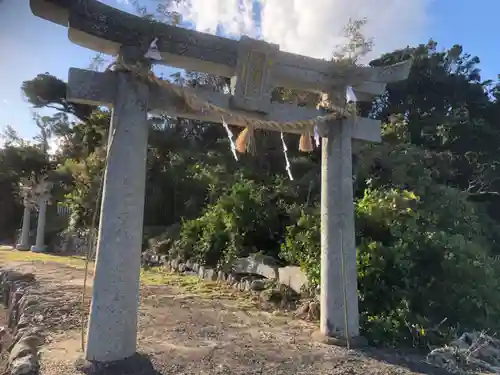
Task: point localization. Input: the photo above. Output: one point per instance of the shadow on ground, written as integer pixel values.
(411, 361)
(139, 364)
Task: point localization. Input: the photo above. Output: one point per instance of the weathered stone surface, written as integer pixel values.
(251, 85)
(188, 49)
(292, 276)
(23, 321)
(257, 264)
(174, 263)
(210, 274)
(27, 365)
(248, 285)
(11, 275)
(201, 272)
(221, 276)
(339, 296)
(302, 309)
(74, 242)
(24, 347)
(470, 351)
(25, 332)
(258, 285)
(313, 312)
(168, 267)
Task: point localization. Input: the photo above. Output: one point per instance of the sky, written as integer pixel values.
(30, 45)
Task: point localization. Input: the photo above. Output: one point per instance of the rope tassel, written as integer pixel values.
(246, 141)
(305, 143)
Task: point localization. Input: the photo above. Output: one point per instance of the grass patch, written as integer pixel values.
(189, 285)
(8, 255)
(195, 287)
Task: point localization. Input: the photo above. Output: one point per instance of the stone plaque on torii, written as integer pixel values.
(255, 68)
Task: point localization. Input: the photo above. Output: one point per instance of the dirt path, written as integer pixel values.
(186, 333)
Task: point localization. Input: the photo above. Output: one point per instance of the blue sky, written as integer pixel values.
(31, 46)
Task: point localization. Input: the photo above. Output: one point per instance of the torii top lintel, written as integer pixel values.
(104, 29)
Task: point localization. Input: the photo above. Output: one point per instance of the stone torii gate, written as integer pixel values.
(255, 68)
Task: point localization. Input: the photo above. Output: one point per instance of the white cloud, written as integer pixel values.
(313, 27)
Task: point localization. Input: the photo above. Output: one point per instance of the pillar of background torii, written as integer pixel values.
(255, 67)
(41, 197)
(34, 194)
(24, 239)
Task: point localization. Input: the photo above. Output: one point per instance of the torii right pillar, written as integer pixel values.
(338, 296)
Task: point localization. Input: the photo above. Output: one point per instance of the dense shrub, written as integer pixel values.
(240, 222)
(424, 269)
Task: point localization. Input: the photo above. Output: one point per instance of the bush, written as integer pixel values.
(242, 221)
(424, 269)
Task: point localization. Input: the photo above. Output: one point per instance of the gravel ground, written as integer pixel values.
(181, 333)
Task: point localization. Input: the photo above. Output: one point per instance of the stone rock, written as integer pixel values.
(27, 365)
(24, 321)
(293, 277)
(221, 276)
(257, 265)
(485, 348)
(18, 276)
(258, 285)
(174, 263)
(242, 286)
(26, 346)
(25, 332)
(314, 310)
(474, 349)
(302, 309)
(201, 272)
(248, 285)
(26, 302)
(210, 274)
(75, 242)
(168, 266)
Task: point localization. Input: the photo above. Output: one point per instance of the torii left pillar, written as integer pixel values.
(112, 328)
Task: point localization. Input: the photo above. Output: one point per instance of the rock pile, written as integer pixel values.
(21, 339)
(470, 352)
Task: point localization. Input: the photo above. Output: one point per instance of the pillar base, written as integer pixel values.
(37, 249)
(22, 247)
(354, 342)
(138, 363)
